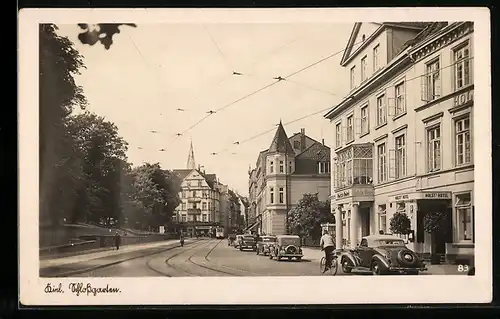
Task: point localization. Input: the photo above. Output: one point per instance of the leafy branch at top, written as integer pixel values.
(102, 32)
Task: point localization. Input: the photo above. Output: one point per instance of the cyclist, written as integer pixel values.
(328, 245)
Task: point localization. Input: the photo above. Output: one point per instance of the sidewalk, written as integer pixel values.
(61, 261)
(315, 254)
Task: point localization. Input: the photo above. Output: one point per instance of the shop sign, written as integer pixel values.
(401, 197)
(437, 195)
(463, 98)
(343, 194)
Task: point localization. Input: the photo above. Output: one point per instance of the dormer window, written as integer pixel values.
(324, 167)
(296, 145)
(271, 167)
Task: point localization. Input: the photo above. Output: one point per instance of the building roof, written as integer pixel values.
(431, 29)
(317, 152)
(347, 56)
(211, 179)
(280, 143)
(182, 173)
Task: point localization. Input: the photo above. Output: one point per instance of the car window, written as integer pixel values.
(364, 243)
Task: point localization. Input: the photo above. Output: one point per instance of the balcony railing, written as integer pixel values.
(354, 166)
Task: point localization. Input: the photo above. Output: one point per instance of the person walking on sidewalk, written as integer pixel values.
(328, 246)
(182, 240)
(118, 240)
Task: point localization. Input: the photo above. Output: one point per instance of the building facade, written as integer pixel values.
(203, 199)
(288, 169)
(403, 136)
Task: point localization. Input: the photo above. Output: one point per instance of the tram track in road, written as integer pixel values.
(190, 259)
(169, 264)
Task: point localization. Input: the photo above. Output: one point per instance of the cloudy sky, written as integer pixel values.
(153, 70)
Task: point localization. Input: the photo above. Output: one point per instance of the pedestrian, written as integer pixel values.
(118, 240)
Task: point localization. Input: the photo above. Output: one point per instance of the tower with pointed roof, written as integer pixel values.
(191, 164)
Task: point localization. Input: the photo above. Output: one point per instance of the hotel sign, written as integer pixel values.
(342, 194)
(463, 98)
(355, 192)
(421, 195)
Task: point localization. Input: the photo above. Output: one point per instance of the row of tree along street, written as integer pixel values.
(84, 172)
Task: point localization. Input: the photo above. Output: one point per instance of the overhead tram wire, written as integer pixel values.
(277, 80)
(320, 111)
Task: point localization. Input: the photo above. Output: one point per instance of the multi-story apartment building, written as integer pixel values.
(403, 136)
(288, 169)
(203, 199)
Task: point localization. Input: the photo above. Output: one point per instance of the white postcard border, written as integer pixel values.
(279, 290)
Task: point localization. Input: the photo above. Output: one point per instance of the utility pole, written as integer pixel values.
(286, 189)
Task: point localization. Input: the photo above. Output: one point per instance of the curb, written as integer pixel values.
(80, 271)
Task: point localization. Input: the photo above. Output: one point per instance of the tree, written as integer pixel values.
(59, 62)
(102, 32)
(103, 158)
(400, 224)
(306, 217)
(158, 192)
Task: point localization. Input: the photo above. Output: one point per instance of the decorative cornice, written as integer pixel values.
(402, 127)
(444, 39)
(433, 117)
(381, 137)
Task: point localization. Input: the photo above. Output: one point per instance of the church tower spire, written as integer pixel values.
(191, 164)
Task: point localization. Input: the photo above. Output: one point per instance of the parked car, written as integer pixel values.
(286, 246)
(264, 244)
(236, 241)
(382, 255)
(247, 242)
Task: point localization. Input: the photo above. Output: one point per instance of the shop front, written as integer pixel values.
(431, 220)
(354, 213)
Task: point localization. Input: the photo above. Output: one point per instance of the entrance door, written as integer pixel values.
(365, 221)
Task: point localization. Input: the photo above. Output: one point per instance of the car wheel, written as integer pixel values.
(278, 258)
(376, 270)
(270, 256)
(257, 251)
(241, 249)
(346, 266)
(289, 258)
(299, 258)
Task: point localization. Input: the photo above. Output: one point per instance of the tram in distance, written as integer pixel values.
(219, 232)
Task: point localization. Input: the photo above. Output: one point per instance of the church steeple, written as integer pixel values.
(191, 164)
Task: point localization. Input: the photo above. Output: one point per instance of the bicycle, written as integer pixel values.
(333, 267)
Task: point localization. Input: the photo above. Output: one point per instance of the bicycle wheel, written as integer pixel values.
(322, 265)
(334, 267)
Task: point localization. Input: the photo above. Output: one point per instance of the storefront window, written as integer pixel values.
(463, 207)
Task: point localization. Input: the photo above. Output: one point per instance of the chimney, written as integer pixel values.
(323, 141)
(302, 139)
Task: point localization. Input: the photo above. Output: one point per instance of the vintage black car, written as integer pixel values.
(264, 244)
(382, 255)
(286, 246)
(247, 242)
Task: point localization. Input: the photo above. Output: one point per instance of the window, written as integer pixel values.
(363, 68)
(463, 207)
(400, 156)
(183, 194)
(462, 141)
(365, 126)
(462, 66)
(195, 206)
(282, 167)
(338, 135)
(434, 149)
(382, 218)
(324, 167)
(194, 194)
(354, 165)
(282, 197)
(183, 205)
(296, 145)
(350, 128)
(353, 77)
(183, 218)
(200, 183)
(382, 163)
(290, 167)
(376, 63)
(204, 206)
(209, 206)
(271, 194)
(271, 167)
(364, 242)
(204, 194)
(400, 99)
(381, 110)
(432, 79)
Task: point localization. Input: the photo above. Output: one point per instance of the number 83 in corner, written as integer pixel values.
(463, 268)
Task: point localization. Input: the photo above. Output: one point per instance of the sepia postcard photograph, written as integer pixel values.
(254, 156)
